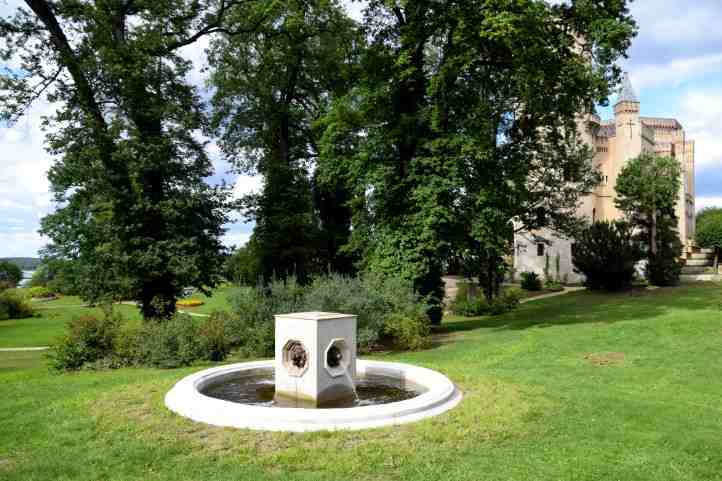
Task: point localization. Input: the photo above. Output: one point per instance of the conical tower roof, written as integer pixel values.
(627, 93)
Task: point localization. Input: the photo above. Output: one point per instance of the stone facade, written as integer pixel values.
(616, 141)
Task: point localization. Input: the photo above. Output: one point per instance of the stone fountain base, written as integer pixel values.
(186, 399)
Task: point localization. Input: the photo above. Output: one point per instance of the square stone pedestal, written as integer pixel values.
(315, 360)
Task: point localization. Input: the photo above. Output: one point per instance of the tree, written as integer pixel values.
(457, 129)
(607, 253)
(135, 215)
(709, 231)
(10, 274)
(647, 192)
(271, 85)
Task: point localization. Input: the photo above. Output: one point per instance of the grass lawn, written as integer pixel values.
(52, 316)
(578, 387)
(49, 322)
(219, 301)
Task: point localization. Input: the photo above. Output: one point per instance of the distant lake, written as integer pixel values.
(27, 275)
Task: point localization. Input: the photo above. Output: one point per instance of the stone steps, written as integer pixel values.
(700, 255)
(700, 263)
(694, 270)
(700, 278)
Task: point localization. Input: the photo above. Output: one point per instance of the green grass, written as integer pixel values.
(579, 387)
(49, 322)
(219, 301)
(52, 316)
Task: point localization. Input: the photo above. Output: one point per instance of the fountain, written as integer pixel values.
(315, 382)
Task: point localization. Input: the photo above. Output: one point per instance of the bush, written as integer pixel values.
(709, 230)
(406, 333)
(470, 303)
(14, 306)
(376, 301)
(40, 293)
(170, 344)
(104, 342)
(606, 253)
(215, 343)
(250, 328)
(663, 270)
(10, 273)
(530, 281)
(88, 340)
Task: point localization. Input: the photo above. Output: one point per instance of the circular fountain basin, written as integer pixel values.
(431, 394)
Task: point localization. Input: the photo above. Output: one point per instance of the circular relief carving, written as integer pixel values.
(295, 358)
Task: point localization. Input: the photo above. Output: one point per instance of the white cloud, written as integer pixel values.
(21, 243)
(703, 202)
(247, 184)
(701, 116)
(675, 72)
(236, 239)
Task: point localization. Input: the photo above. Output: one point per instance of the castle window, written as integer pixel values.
(540, 250)
(594, 215)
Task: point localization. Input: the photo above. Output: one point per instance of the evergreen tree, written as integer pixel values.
(647, 192)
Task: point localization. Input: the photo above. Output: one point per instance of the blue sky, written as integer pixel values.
(675, 64)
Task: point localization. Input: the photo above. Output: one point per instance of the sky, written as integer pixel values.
(675, 64)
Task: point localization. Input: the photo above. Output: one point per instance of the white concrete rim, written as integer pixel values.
(186, 400)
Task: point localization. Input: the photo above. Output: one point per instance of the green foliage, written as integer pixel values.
(271, 85)
(647, 192)
(13, 305)
(455, 127)
(60, 276)
(89, 339)
(373, 299)
(606, 253)
(470, 303)
(243, 266)
(530, 281)
(406, 333)
(40, 293)
(99, 342)
(171, 344)
(135, 212)
(709, 229)
(10, 273)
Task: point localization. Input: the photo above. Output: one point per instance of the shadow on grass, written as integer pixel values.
(585, 307)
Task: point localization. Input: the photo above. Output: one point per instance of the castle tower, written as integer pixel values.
(628, 139)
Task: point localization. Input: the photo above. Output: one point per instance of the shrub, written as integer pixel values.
(376, 301)
(171, 343)
(250, 327)
(606, 253)
(40, 293)
(104, 342)
(89, 339)
(14, 306)
(709, 230)
(663, 270)
(530, 281)
(406, 333)
(10, 273)
(215, 344)
(470, 303)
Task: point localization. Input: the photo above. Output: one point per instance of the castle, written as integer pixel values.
(616, 141)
